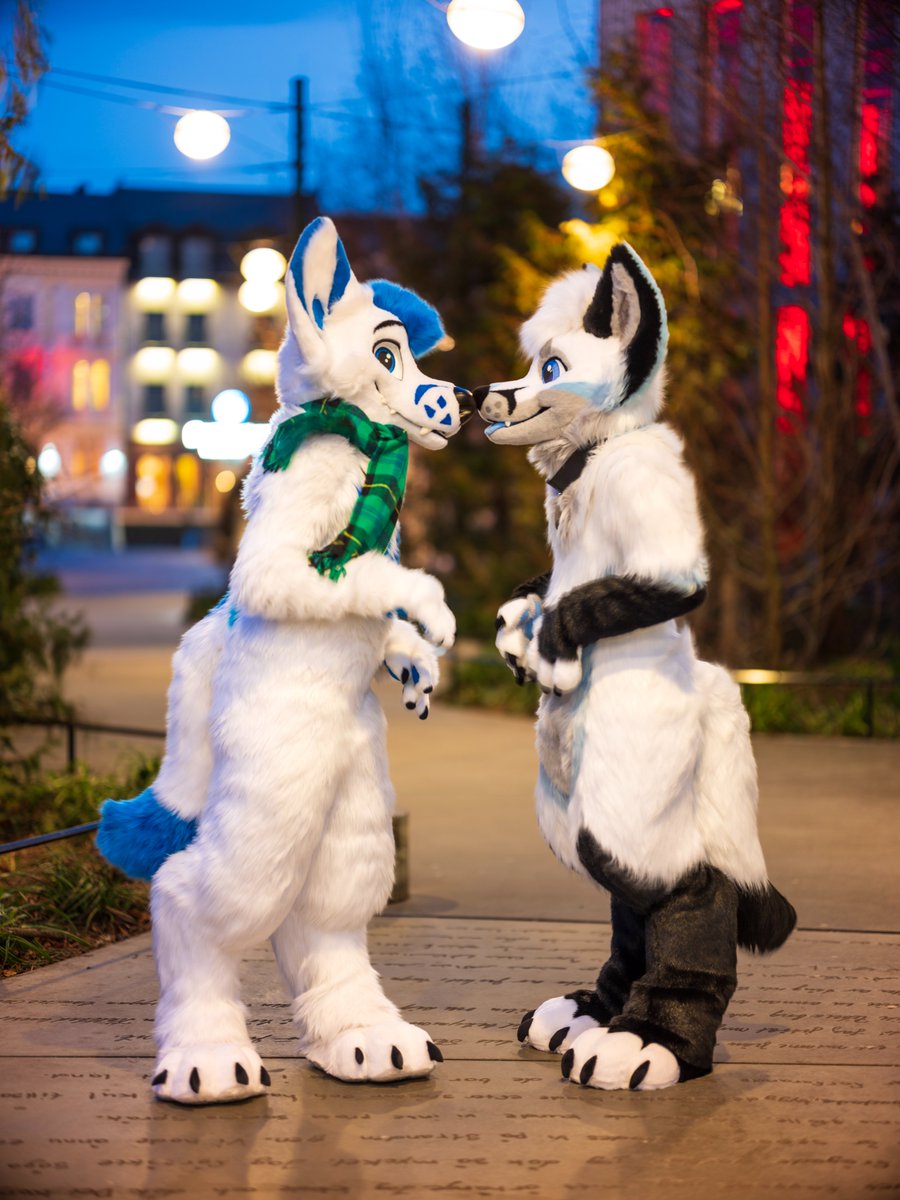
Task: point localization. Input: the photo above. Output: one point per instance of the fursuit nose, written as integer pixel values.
(466, 402)
(495, 404)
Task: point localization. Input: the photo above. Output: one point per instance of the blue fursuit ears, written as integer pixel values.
(422, 323)
(138, 835)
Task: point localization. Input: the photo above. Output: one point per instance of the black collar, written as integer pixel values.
(572, 467)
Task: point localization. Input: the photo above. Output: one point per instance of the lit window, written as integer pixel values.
(187, 477)
(81, 384)
(792, 334)
(153, 482)
(100, 383)
(795, 256)
(90, 314)
(82, 314)
(875, 109)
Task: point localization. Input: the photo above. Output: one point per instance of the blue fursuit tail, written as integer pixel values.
(138, 835)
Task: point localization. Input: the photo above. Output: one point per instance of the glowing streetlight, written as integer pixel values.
(588, 168)
(264, 264)
(202, 134)
(486, 24)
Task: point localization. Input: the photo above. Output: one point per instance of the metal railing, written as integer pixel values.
(72, 728)
(749, 677)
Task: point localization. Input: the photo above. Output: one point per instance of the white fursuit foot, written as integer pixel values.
(614, 1060)
(554, 1025)
(210, 1074)
(377, 1053)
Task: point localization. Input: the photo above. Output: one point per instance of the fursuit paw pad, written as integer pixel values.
(555, 1025)
(210, 1074)
(377, 1053)
(606, 1059)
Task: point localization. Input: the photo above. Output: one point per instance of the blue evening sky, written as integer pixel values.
(385, 79)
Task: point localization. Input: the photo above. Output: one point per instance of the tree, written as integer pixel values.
(783, 299)
(487, 246)
(21, 65)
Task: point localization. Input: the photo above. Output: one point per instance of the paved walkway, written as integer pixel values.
(803, 1101)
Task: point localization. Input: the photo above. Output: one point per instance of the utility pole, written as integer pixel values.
(299, 87)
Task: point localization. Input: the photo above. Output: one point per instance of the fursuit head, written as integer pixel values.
(647, 782)
(271, 814)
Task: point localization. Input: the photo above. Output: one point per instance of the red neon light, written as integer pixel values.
(795, 258)
(665, 12)
(792, 334)
(857, 331)
(724, 6)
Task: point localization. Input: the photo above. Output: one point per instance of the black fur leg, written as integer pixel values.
(691, 970)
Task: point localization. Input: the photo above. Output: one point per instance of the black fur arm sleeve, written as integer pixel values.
(532, 587)
(608, 608)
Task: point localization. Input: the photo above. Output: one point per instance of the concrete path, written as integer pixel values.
(803, 1102)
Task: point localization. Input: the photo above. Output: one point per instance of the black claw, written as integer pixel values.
(264, 1077)
(159, 1079)
(566, 1064)
(524, 1026)
(558, 1038)
(396, 1058)
(499, 622)
(428, 690)
(587, 1070)
(434, 1053)
(545, 690)
(423, 715)
(360, 1057)
(404, 675)
(557, 691)
(240, 1074)
(410, 704)
(194, 1081)
(638, 1075)
(520, 677)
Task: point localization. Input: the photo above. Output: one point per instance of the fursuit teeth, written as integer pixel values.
(376, 511)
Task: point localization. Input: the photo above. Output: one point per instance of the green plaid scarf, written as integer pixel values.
(375, 512)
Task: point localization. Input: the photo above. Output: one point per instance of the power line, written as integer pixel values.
(117, 81)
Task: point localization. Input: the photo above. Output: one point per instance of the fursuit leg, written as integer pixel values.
(666, 1031)
(347, 1026)
(557, 1023)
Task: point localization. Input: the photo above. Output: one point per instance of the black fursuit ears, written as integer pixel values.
(605, 310)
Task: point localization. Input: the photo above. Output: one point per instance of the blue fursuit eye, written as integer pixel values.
(386, 357)
(552, 369)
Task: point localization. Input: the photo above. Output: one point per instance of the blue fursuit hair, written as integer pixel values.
(138, 835)
(423, 325)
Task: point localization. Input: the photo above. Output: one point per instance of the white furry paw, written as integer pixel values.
(377, 1053)
(438, 622)
(559, 677)
(614, 1060)
(554, 1025)
(413, 663)
(210, 1074)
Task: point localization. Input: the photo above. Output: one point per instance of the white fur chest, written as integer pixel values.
(632, 511)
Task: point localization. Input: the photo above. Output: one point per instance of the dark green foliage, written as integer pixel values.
(65, 901)
(36, 641)
(488, 245)
(489, 684)
(42, 802)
